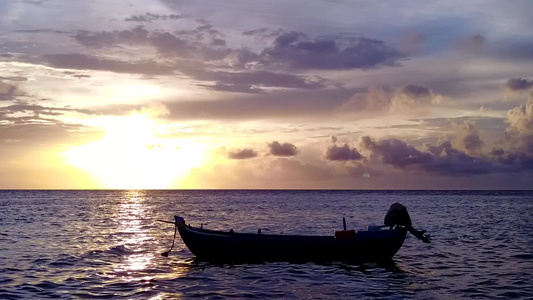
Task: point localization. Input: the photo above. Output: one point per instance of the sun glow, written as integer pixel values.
(131, 156)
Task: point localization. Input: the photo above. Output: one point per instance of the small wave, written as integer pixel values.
(48, 285)
(119, 250)
(65, 261)
(5, 294)
(526, 256)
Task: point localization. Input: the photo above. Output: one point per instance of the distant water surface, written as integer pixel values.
(107, 244)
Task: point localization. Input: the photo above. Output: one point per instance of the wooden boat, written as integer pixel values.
(376, 244)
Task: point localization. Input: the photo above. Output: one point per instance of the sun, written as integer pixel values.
(131, 156)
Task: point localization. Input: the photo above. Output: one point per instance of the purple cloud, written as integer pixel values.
(301, 52)
(342, 153)
(242, 154)
(85, 62)
(518, 84)
(403, 156)
(285, 149)
(149, 17)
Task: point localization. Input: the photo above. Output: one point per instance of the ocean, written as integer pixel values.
(107, 245)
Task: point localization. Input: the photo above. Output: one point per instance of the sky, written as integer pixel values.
(303, 94)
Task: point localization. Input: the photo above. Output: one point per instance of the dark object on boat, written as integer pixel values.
(398, 215)
(378, 243)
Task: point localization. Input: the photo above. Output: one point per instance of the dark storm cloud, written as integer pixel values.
(242, 154)
(172, 46)
(285, 149)
(518, 84)
(294, 49)
(299, 51)
(149, 17)
(342, 153)
(516, 160)
(166, 43)
(400, 155)
(233, 66)
(85, 62)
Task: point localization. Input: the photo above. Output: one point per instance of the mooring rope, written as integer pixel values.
(165, 254)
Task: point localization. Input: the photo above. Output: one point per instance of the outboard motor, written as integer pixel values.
(398, 216)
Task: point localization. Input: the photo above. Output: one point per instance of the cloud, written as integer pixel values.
(412, 96)
(285, 149)
(37, 110)
(242, 154)
(136, 35)
(10, 91)
(520, 118)
(39, 131)
(406, 99)
(171, 46)
(441, 146)
(518, 84)
(78, 61)
(149, 17)
(468, 138)
(294, 49)
(298, 51)
(167, 44)
(515, 150)
(342, 153)
(402, 156)
(263, 33)
(375, 99)
(254, 82)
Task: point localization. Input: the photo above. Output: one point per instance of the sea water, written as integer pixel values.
(107, 244)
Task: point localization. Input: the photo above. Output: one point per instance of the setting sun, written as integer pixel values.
(131, 156)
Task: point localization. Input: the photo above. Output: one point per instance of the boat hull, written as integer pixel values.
(218, 246)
